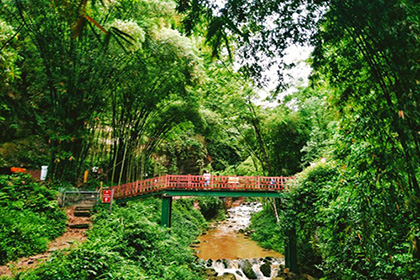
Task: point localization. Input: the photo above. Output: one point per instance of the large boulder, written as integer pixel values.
(246, 267)
(266, 269)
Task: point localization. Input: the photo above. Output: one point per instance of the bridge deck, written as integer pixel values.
(199, 185)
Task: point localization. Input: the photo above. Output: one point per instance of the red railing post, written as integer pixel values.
(282, 182)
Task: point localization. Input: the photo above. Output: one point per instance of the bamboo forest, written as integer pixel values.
(209, 139)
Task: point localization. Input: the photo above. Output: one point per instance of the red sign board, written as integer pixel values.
(106, 196)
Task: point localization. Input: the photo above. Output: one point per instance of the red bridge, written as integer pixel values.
(208, 185)
(202, 185)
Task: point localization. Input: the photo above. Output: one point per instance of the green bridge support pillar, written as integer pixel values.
(291, 251)
(165, 220)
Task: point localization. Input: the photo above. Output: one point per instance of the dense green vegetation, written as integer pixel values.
(130, 244)
(332, 241)
(139, 90)
(29, 217)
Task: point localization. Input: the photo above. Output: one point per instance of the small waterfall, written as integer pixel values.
(244, 269)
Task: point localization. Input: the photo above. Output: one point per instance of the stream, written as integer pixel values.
(228, 253)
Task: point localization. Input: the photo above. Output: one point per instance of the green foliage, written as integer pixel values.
(130, 244)
(184, 151)
(187, 222)
(29, 217)
(312, 191)
(285, 135)
(267, 232)
(245, 168)
(29, 152)
(367, 235)
(8, 55)
(342, 232)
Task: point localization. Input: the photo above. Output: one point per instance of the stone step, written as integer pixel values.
(83, 208)
(90, 199)
(86, 204)
(81, 213)
(79, 226)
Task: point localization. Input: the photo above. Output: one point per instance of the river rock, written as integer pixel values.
(249, 232)
(219, 261)
(282, 273)
(227, 276)
(210, 272)
(226, 263)
(282, 268)
(246, 267)
(266, 269)
(239, 273)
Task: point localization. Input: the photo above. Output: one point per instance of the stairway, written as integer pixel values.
(80, 214)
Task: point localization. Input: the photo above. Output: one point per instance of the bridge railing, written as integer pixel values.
(187, 182)
(200, 182)
(139, 187)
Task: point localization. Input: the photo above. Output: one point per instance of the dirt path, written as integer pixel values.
(70, 239)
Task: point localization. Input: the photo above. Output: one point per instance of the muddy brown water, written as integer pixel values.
(226, 241)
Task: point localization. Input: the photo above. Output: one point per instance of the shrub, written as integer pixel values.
(29, 217)
(267, 232)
